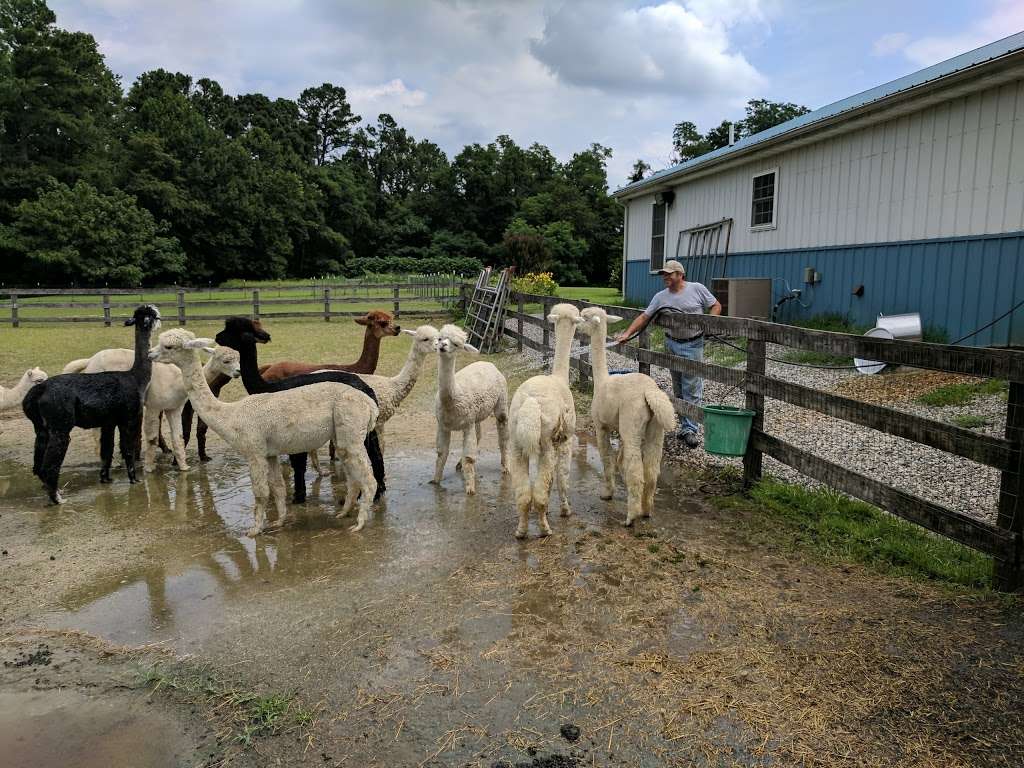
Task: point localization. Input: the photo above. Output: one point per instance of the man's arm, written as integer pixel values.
(638, 324)
(716, 308)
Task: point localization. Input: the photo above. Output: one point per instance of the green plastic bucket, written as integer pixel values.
(726, 429)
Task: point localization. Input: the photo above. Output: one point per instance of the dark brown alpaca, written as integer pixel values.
(378, 325)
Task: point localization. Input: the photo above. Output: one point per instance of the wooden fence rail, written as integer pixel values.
(1003, 541)
(182, 307)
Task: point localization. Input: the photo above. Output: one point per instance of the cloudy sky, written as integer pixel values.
(564, 73)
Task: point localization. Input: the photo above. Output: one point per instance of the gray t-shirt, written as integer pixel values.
(694, 299)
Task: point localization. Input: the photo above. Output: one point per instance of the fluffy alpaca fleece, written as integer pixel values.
(464, 400)
(261, 427)
(634, 406)
(392, 390)
(11, 398)
(542, 419)
(89, 400)
(166, 395)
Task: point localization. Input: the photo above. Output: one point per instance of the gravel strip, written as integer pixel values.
(951, 481)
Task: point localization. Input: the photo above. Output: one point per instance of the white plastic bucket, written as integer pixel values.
(873, 366)
(906, 326)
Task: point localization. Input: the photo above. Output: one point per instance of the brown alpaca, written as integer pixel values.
(378, 325)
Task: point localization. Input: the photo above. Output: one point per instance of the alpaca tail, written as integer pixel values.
(661, 407)
(526, 434)
(76, 366)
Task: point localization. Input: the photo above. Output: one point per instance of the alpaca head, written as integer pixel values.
(146, 318)
(239, 331)
(566, 313)
(226, 360)
(34, 376)
(178, 346)
(594, 321)
(451, 340)
(423, 339)
(380, 323)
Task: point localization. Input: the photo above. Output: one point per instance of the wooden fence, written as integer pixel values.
(1002, 541)
(181, 305)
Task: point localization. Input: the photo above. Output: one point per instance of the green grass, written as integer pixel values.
(811, 357)
(969, 421)
(963, 393)
(839, 528)
(592, 294)
(831, 322)
(723, 354)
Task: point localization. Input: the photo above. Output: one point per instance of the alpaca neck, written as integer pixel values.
(446, 386)
(599, 358)
(206, 405)
(563, 345)
(142, 366)
(16, 393)
(406, 378)
(251, 379)
(367, 362)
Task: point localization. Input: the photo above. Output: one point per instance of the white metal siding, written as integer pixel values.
(953, 169)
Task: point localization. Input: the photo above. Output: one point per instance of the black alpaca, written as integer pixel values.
(201, 428)
(92, 400)
(242, 334)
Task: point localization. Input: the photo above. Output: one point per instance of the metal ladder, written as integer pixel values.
(486, 310)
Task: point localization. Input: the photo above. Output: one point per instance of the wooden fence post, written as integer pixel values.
(520, 308)
(644, 342)
(753, 459)
(327, 304)
(546, 339)
(14, 310)
(181, 306)
(396, 300)
(106, 309)
(1010, 516)
(255, 303)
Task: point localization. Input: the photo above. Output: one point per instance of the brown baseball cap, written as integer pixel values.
(672, 266)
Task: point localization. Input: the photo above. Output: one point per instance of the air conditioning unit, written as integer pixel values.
(744, 296)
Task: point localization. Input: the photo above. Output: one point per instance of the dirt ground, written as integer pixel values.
(140, 626)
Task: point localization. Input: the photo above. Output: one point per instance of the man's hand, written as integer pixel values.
(620, 336)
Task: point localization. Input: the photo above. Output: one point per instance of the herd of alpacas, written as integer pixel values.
(296, 408)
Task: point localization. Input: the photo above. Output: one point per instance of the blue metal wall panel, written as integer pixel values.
(957, 284)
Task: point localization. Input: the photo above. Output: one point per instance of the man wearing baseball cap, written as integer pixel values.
(691, 298)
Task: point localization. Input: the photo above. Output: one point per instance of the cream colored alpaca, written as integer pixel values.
(165, 396)
(634, 406)
(542, 419)
(11, 398)
(464, 400)
(262, 427)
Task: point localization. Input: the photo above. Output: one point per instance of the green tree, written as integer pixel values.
(71, 234)
(325, 109)
(640, 169)
(761, 114)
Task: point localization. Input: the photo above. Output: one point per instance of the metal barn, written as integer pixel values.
(908, 197)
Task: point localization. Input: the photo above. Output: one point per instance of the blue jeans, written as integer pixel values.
(688, 388)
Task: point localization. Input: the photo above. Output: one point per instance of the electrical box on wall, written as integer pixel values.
(811, 275)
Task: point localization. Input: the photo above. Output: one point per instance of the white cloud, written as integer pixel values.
(394, 92)
(890, 43)
(657, 49)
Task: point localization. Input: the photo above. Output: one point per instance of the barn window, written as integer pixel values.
(658, 237)
(762, 200)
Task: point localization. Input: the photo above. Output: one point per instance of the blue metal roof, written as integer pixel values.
(944, 68)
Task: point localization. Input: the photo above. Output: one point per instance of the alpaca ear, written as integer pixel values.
(471, 349)
(199, 344)
(406, 330)
(362, 321)
(552, 318)
(612, 319)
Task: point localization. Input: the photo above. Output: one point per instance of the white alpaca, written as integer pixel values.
(11, 398)
(634, 406)
(542, 419)
(166, 395)
(464, 400)
(262, 427)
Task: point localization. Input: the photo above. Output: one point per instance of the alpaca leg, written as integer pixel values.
(542, 487)
(56, 449)
(298, 461)
(520, 466)
(177, 442)
(361, 484)
(201, 430)
(150, 434)
(128, 433)
(39, 450)
(278, 491)
(351, 484)
(469, 460)
(632, 468)
(332, 449)
(654, 443)
(563, 457)
(501, 419)
(259, 474)
(97, 442)
(106, 451)
(444, 439)
(604, 447)
(160, 435)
